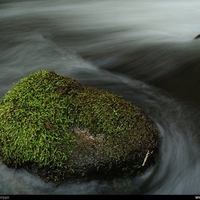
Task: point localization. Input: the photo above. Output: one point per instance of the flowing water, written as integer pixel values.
(142, 50)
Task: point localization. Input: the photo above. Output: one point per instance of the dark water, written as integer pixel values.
(142, 50)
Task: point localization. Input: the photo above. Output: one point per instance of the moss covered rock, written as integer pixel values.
(60, 129)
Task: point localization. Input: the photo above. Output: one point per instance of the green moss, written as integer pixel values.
(66, 130)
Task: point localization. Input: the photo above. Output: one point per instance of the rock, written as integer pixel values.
(61, 130)
(197, 37)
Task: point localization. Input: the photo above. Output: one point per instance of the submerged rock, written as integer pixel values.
(59, 129)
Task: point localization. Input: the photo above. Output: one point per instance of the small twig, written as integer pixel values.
(146, 157)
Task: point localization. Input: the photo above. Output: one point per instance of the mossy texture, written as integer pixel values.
(60, 129)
